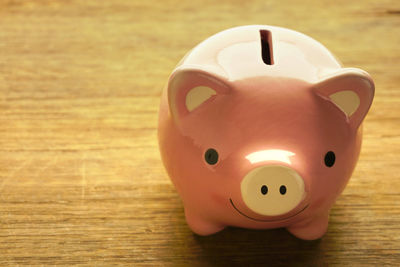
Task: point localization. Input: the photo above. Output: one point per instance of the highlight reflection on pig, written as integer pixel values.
(260, 127)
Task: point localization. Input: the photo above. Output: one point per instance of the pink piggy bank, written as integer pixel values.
(260, 127)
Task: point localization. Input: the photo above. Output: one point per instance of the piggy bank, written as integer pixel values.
(260, 127)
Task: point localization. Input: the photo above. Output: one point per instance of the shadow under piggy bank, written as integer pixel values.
(235, 246)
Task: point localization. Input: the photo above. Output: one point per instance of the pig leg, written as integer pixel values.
(310, 230)
(200, 225)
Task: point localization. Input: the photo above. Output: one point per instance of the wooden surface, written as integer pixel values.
(81, 181)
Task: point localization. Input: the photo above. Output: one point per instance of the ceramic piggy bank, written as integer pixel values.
(260, 127)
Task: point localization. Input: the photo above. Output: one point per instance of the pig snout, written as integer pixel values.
(272, 190)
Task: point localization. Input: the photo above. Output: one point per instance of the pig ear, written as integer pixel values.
(351, 90)
(191, 88)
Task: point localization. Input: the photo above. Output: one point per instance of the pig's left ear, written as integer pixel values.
(190, 88)
(351, 90)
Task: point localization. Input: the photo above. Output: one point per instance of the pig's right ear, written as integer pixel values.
(191, 88)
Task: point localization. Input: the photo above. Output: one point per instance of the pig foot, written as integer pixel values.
(200, 225)
(312, 229)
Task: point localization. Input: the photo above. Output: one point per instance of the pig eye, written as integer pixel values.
(211, 156)
(330, 159)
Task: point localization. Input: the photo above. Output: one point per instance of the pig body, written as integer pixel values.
(262, 139)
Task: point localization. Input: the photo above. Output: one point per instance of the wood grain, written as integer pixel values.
(81, 181)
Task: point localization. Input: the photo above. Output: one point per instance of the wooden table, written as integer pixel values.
(81, 181)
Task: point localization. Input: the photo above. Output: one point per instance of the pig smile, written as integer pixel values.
(259, 220)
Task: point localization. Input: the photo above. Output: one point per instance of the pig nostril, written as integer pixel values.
(264, 189)
(282, 189)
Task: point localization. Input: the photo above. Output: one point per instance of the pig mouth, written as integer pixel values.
(270, 220)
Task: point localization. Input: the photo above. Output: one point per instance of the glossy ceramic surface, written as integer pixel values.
(260, 127)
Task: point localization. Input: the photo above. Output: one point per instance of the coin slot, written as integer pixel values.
(266, 47)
